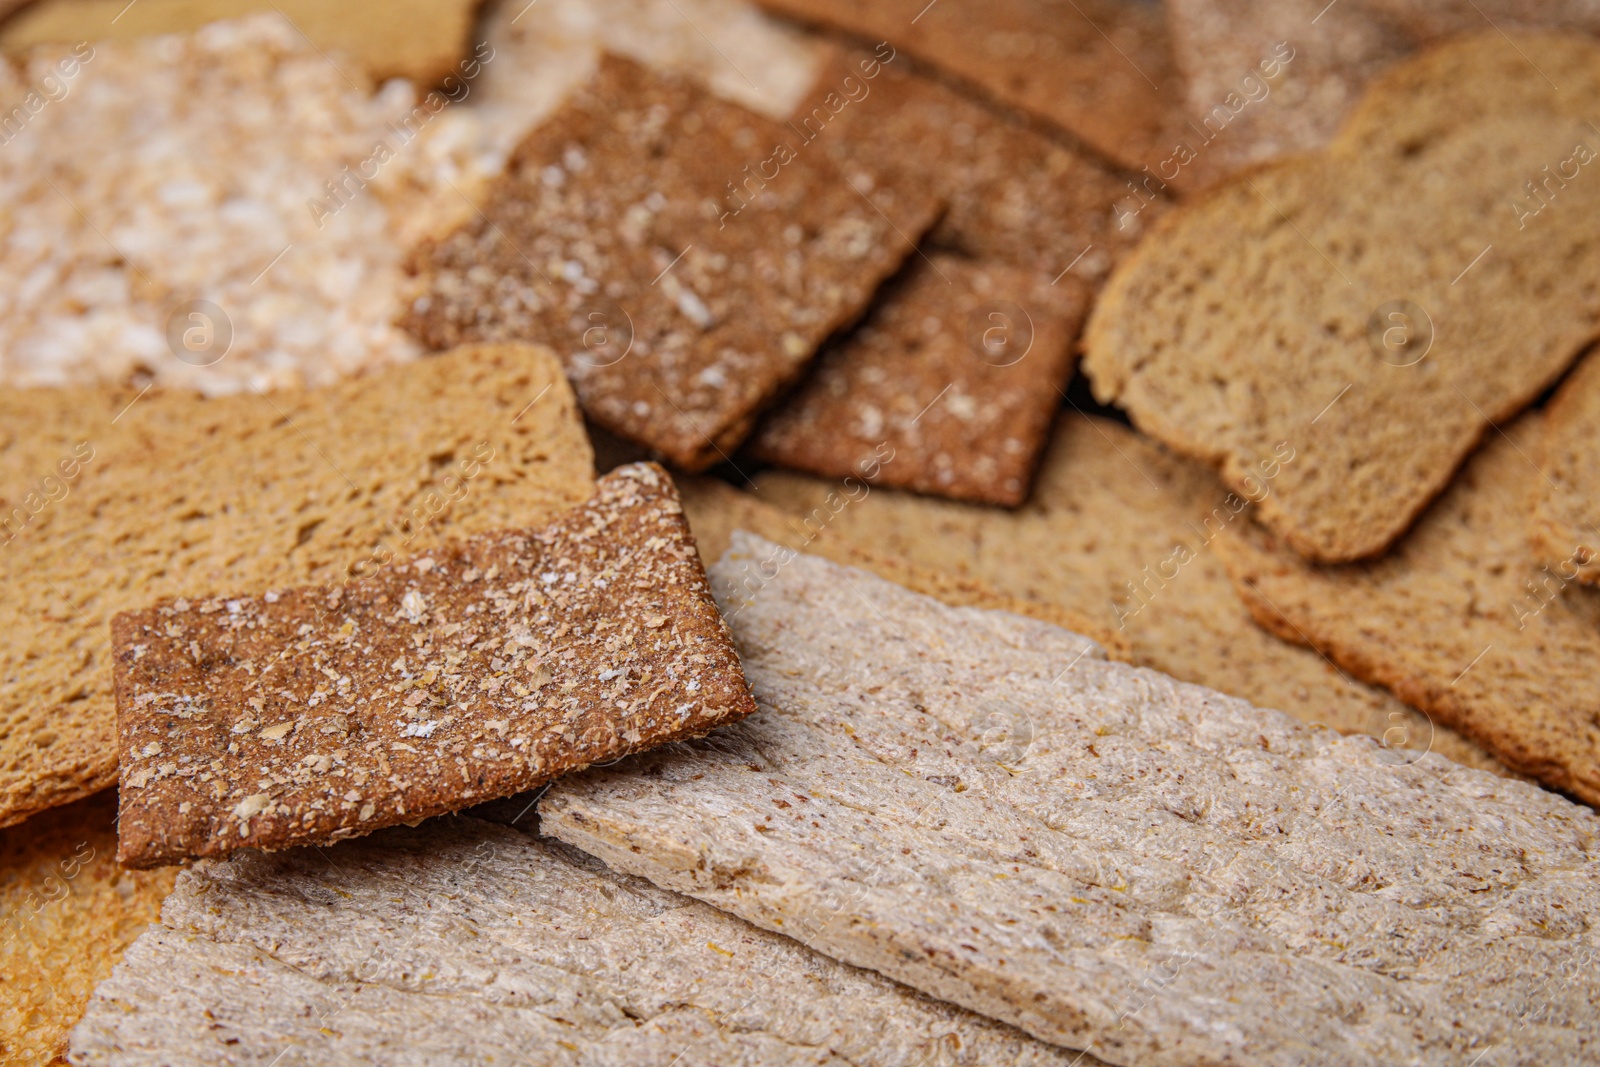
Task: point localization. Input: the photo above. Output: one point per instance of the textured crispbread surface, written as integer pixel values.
(67, 912)
(1278, 306)
(979, 806)
(464, 942)
(110, 499)
(955, 377)
(1461, 619)
(484, 668)
(684, 259)
(1566, 510)
(1118, 530)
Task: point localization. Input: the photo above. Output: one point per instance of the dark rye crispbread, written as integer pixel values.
(1566, 508)
(948, 387)
(486, 667)
(684, 255)
(111, 498)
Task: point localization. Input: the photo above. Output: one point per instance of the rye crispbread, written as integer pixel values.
(1347, 304)
(640, 233)
(484, 668)
(464, 942)
(1566, 509)
(1118, 531)
(112, 498)
(1461, 619)
(981, 807)
(67, 913)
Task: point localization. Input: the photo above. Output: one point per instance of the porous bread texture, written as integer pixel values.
(113, 498)
(1119, 532)
(980, 806)
(1566, 509)
(1461, 619)
(464, 942)
(67, 913)
(1353, 303)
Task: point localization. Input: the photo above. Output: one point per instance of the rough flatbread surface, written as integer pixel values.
(110, 499)
(67, 913)
(464, 942)
(1119, 531)
(483, 668)
(1566, 511)
(1327, 300)
(1461, 619)
(981, 807)
(679, 252)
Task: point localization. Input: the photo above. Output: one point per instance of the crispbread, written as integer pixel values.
(464, 942)
(1566, 510)
(1459, 619)
(114, 498)
(67, 912)
(640, 232)
(1117, 530)
(948, 387)
(1352, 262)
(482, 669)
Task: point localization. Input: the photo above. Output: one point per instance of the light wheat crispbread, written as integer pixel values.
(484, 668)
(464, 942)
(67, 913)
(1350, 305)
(679, 253)
(1461, 618)
(110, 499)
(980, 806)
(1118, 531)
(1566, 510)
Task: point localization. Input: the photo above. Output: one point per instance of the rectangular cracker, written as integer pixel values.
(1461, 618)
(110, 499)
(979, 806)
(1566, 507)
(480, 669)
(685, 255)
(460, 941)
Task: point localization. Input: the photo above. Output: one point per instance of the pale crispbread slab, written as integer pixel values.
(1566, 509)
(110, 499)
(1208, 353)
(1461, 619)
(980, 806)
(484, 668)
(67, 913)
(716, 509)
(464, 942)
(1118, 531)
(681, 305)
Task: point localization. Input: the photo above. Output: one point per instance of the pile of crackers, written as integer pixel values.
(623, 531)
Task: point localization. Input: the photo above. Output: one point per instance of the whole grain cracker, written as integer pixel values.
(112, 498)
(623, 235)
(1566, 510)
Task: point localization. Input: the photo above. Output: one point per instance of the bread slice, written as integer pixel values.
(461, 941)
(1566, 510)
(1119, 531)
(982, 807)
(113, 498)
(1461, 619)
(67, 913)
(1322, 302)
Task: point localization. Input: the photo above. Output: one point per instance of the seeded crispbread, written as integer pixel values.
(1460, 619)
(114, 498)
(1566, 510)
(981, 807)
(1340, 362)
(623, 235)
(1118, 531)
(485, 667)
(67, 913)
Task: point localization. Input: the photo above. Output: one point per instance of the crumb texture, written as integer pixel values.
(1566, 510)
